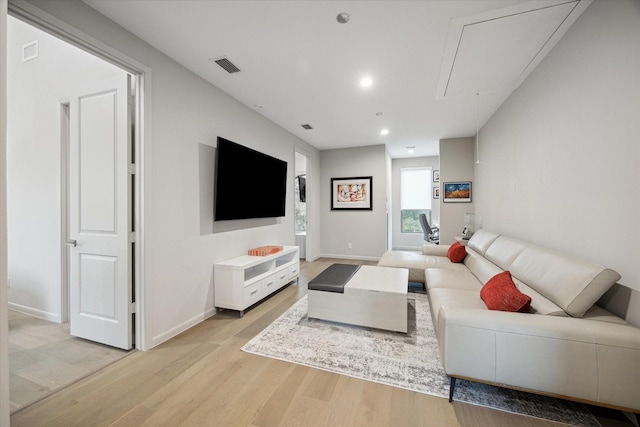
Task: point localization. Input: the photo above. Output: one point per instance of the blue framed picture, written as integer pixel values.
(457, 192)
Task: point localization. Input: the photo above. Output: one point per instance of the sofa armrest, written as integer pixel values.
(579, 358)
(436, 250)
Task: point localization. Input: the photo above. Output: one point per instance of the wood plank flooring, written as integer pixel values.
(202, 378)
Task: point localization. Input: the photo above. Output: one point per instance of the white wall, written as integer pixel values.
(456, 164)
(314, 207)
(34, 162)
(365, 229)
(560, 158)
(412, 240)
(389, 201)
(4, 271)
(187, 114)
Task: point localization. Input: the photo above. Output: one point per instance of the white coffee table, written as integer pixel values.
(375, 297)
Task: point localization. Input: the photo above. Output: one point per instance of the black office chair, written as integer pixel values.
(431, 234)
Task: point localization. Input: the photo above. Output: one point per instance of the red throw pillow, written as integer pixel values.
(500, 293)
(456, 252)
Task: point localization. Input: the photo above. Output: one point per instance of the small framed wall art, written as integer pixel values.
(351, 193)
(457, 192)
(436, 176)
(436, 192)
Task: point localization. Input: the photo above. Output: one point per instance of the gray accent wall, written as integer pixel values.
(456, 165)
(560, 157)
(366, 230)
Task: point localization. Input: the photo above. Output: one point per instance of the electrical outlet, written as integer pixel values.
(349, 246)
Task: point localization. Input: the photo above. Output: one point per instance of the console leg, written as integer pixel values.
(452, 386)
(637, 419)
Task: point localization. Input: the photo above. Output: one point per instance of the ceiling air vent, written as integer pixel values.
(227, 65)
(307, 127)
(30, 51)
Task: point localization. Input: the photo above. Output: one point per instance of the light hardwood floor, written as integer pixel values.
(202, 378)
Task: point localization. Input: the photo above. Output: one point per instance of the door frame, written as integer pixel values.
(30, 14)
(309, 182)
(64, 110)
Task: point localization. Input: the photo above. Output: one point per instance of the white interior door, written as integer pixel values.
(100, 215)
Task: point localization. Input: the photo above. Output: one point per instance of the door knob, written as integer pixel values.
(72, 243)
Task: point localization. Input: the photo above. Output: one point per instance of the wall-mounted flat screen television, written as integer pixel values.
(248, 183)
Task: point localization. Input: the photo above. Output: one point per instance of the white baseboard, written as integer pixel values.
(165, 336)
(341, 256)
(52, 317)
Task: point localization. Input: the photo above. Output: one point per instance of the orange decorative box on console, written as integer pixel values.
(265, 250)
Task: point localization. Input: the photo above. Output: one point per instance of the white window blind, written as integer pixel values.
(415, 188)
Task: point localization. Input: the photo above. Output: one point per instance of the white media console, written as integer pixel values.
(243, 281)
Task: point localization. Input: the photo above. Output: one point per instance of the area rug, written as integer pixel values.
(408, 361)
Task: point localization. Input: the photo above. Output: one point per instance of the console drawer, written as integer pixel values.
(294, 271)
(253, 293)
(282, 277)
(270, 284)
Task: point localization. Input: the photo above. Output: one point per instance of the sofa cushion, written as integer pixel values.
(573, 284)
(504, 250)
(416, 263)
(456, 252)
(437, 250)
(481, 240)
(451, 279)
(454, 298)
(539, 303)
(481, 267)
(601, 315)
(500, 293)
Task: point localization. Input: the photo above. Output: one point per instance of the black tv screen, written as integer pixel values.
(248, 183)
(302, 188)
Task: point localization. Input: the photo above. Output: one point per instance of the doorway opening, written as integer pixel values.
(300, 202)
(43, 174)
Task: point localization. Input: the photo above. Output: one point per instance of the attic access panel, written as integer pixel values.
(497, 50)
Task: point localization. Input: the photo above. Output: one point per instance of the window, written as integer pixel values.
(415, 198)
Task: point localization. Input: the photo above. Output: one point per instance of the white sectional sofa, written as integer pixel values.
(565, 346)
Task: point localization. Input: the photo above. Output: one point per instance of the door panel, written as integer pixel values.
(98, 280)
(98, 166)
(99, 214)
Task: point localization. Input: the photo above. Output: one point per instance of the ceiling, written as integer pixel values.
(439, 68)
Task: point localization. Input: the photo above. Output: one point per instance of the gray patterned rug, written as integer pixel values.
(408, 361)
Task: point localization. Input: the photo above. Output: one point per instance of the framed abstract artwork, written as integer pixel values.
(457, 192)
(351, 193)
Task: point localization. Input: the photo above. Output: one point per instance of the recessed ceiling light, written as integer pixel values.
(411, 149)
(366, 82)
(384, 132)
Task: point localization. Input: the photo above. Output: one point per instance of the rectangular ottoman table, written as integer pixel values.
(361, 295)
